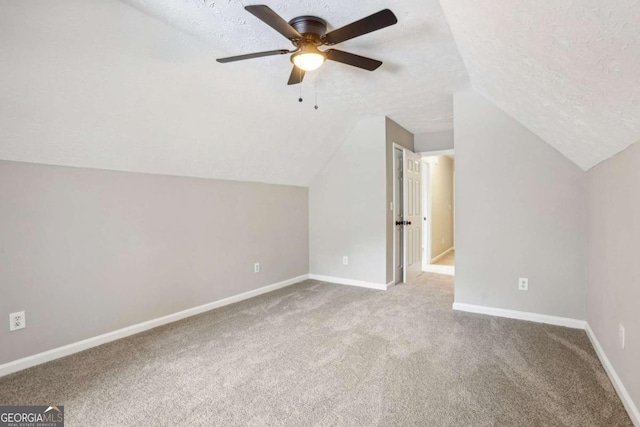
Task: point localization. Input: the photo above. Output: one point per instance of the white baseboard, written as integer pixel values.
(521, 315)
(434, 260)
(350, 282)
(56, 353)
(631, 408)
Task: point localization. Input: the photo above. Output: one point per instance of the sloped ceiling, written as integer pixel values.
(135, 87)
(421, 67)
(568, 70)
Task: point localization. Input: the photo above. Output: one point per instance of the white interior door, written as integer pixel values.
(398, 212)
(412, 216)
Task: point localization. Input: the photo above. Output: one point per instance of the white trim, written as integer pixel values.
(350, 282)
(391, 284)
(56, 353)
(631, 408)
(521, 315)
(433, 261)
(426, 211)
(405, 211)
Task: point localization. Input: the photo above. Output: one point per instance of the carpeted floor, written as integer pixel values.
(448, 259)
(322, 354)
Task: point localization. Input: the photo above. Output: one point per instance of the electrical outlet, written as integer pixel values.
(523, 284)
(621, 335)
(345, 260)
(17, 321)
(256, 267)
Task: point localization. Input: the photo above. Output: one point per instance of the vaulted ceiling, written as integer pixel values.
(421, 62)
(568, 70)
(135, 87)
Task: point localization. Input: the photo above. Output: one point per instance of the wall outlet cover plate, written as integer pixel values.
(17, 321)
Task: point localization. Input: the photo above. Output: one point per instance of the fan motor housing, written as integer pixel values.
(309, 25)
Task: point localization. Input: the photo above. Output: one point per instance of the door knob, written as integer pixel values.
(399, 222)
(408, 222)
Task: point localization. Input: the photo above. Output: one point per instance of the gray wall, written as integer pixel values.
(394, 133)
(614, 271)
(434, 141)
(521, 211)
(346, 208)
(87, 251)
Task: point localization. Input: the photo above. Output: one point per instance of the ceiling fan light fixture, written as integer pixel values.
(308, 59)
(307, 33)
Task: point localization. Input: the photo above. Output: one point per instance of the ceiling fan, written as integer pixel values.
(307, 33)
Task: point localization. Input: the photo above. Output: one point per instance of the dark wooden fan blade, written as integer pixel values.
(371, 23)
(253, 55)
(297, 75)
(272, 19)
(352, 59)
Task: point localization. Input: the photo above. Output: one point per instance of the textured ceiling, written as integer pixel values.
(421, 67)
(100, 84)
(568, 70)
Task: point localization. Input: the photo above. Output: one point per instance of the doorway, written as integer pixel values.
(439, 212)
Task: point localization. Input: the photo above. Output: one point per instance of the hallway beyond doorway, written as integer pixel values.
(447, 259)
(439, 213)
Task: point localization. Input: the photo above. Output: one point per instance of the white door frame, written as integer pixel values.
(426, 213)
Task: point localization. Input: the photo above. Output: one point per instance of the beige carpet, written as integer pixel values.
(448, 259)
(322, 354)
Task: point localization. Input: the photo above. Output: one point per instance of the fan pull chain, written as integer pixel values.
(300, 71)
(315, 86)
